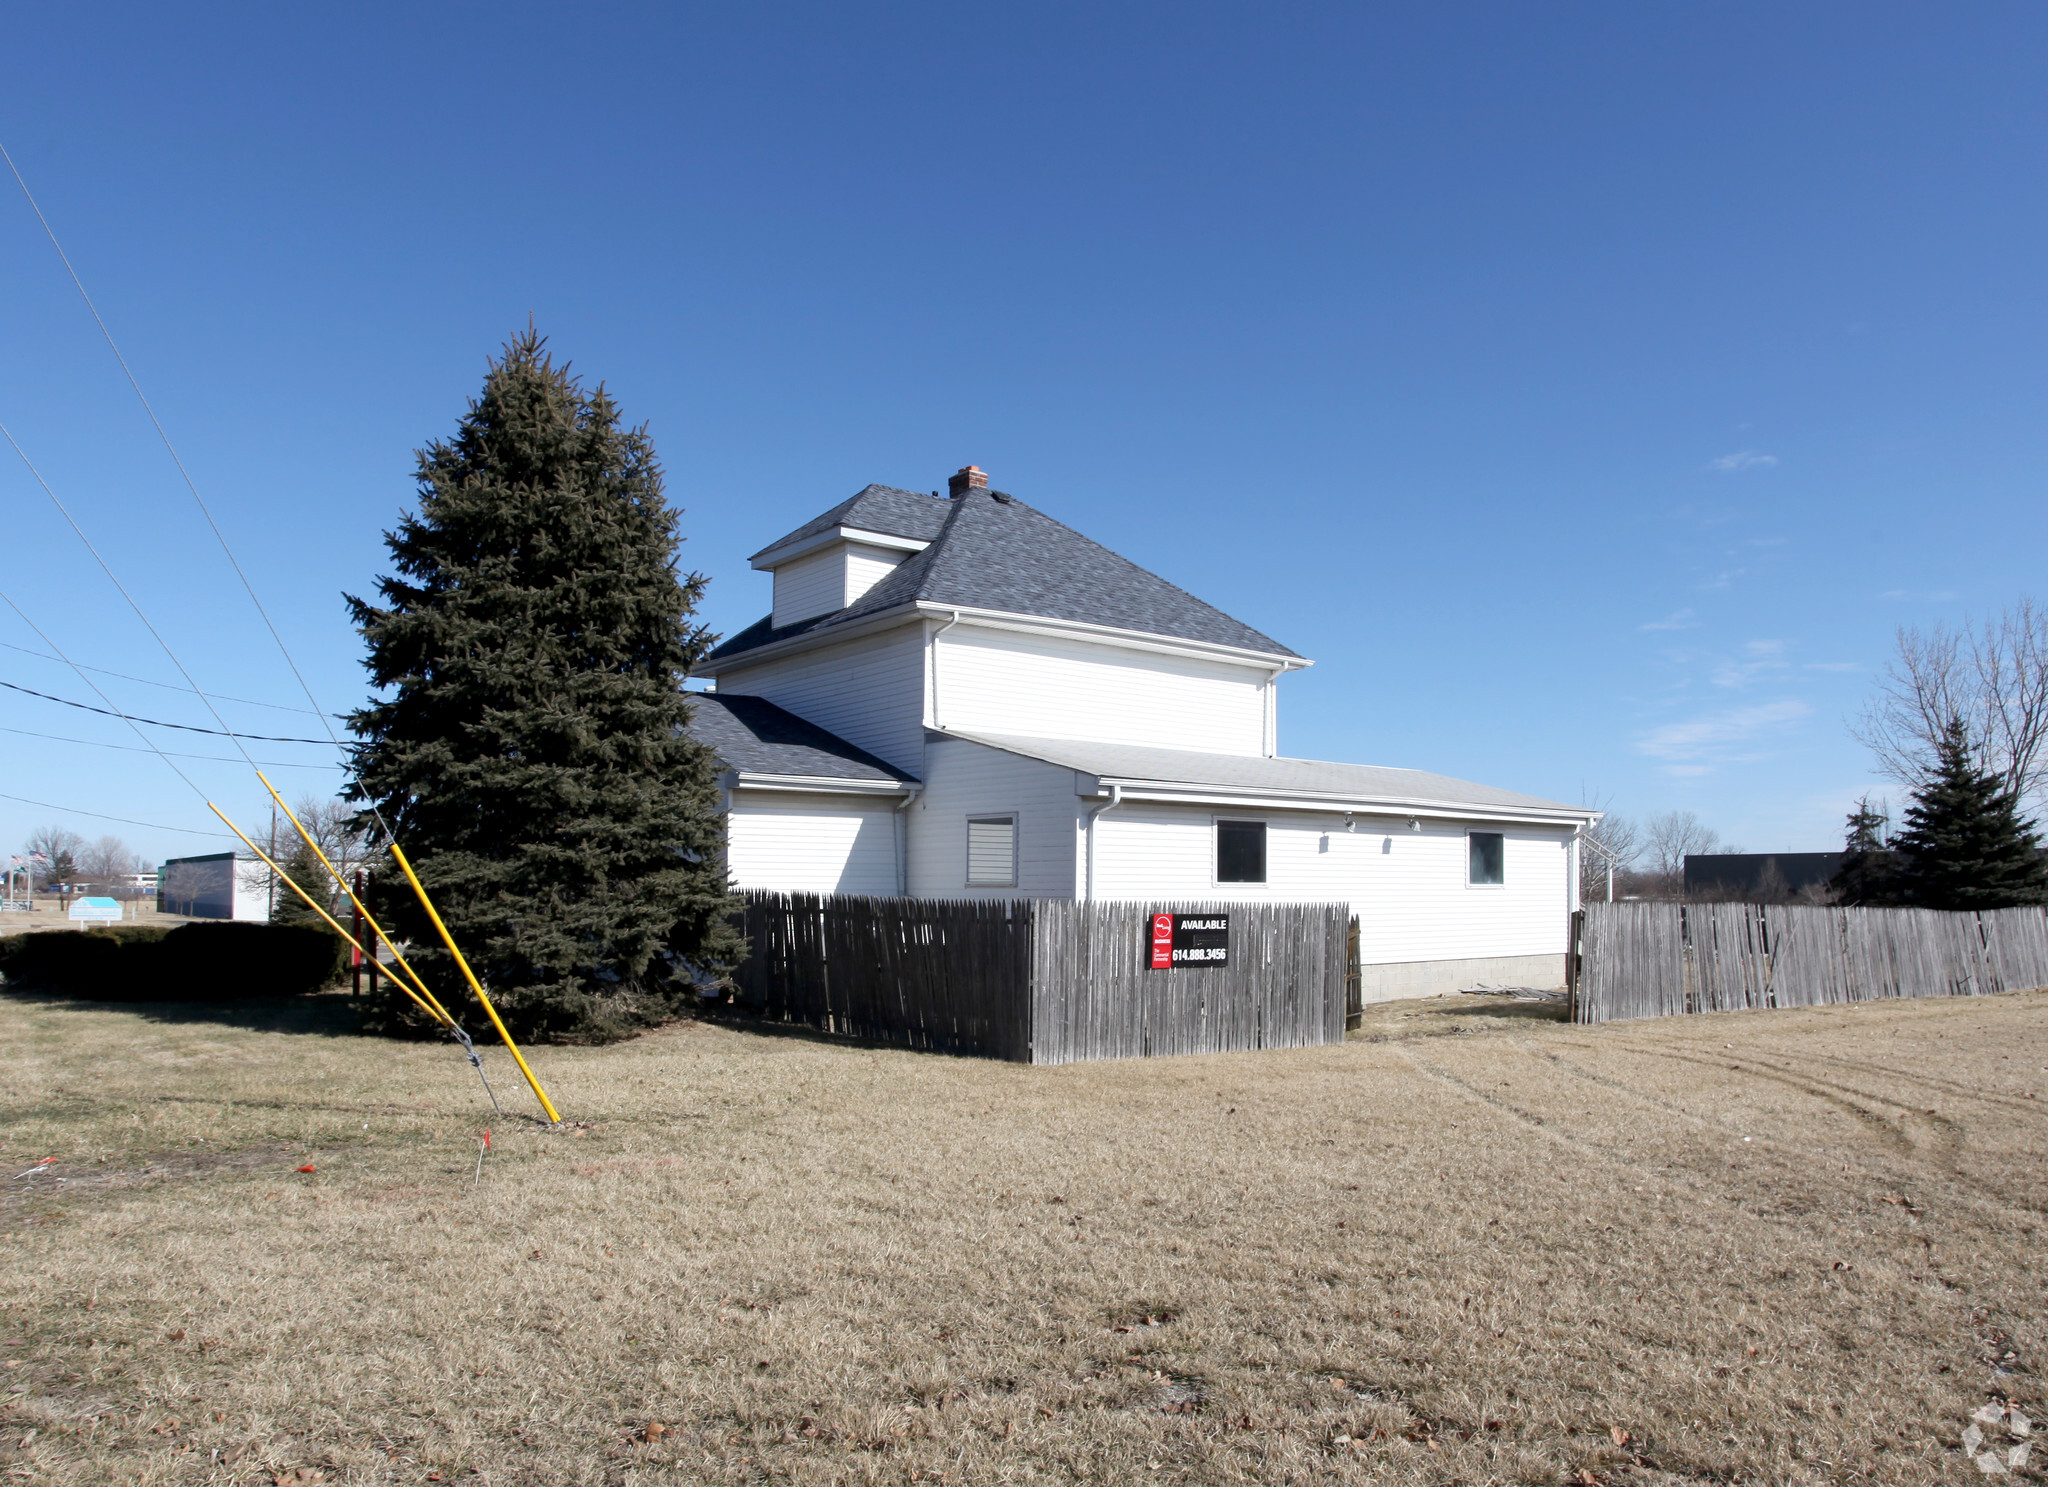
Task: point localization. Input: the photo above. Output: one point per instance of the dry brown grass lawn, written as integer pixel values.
(1471, 1245)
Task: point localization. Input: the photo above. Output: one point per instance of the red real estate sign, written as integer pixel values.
(1162, 942)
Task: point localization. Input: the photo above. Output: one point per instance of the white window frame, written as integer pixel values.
(1216, 849)
(967, 845)
(1471, 832)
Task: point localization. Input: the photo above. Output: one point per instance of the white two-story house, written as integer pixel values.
(956, 696)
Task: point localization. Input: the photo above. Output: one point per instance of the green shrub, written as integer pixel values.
(188, 962)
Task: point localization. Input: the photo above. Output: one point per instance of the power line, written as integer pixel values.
(103, 816)
(93, 743)
(101, 694)
(167, 686)
(171, 449)
(121, 589)
(155, 723)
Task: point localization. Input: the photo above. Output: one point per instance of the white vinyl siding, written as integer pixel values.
(810, 586)
(999, 681)
(965, 780)
(869, 691)
(1408, 888)
(830, 579)
(792, 843)
(992, 851)
(867, 566)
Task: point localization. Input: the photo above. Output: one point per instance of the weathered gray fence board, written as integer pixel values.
(1656, 959)
(1040, 980)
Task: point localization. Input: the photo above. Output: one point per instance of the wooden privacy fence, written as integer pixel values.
(1662, 960)
(1042, 981)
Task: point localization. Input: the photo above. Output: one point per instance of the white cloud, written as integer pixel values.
(1678, 620)
(1742, 459)
(1834, 665)
(1761, 657)
(1719, 738)
(1723, 579)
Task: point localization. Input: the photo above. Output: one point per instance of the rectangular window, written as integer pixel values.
(1240, 851)
(992, 850)
(1489, 857)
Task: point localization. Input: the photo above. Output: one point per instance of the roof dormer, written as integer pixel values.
(825, 571)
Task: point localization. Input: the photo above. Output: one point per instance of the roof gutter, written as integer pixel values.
(821, 784)
(996, 619)
(1168, 792)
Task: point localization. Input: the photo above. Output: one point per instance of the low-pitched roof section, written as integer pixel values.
(1312, 780)
(754, 736)
(996, 553)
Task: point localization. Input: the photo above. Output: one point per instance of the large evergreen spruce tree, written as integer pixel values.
(529, 754)
(1965, 845)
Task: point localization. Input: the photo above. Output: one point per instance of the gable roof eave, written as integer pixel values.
(828, 629)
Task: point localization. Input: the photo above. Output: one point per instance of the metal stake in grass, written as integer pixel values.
(480, 1160)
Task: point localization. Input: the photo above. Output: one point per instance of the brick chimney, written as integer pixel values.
(968, 479)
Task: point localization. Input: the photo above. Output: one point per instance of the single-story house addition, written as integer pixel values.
(959, 697)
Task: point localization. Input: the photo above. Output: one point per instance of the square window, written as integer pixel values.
(992, 850)
(1489, 857)
(1240, 851)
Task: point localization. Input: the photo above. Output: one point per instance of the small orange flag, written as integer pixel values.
(307, 1168)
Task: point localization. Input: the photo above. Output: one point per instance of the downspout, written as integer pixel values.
(935, 666)
(1271, 713)
(903, 841)
(1116, 798)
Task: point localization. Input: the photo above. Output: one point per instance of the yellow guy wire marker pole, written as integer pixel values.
(474, 985)
(361, 907)
(312, 904)
(455, 1029)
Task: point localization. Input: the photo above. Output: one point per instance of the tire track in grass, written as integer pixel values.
(1989, 1203)
(1894, 1136)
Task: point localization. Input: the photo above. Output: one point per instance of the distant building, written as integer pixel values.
(221, 885)
(1759, 875)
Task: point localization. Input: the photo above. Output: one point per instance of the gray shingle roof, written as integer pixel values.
(754, 736)
(995, 552)
(1345, 782)
(917, 515)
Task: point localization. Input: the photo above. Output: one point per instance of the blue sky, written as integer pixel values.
(1590, 390)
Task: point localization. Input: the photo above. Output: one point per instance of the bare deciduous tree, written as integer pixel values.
(1672, 837)
(1994, 676)
(1607, 849)
(60, 847)
(108, 864)
(331, 824)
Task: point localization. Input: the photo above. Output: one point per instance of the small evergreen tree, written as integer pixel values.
(530, 754)
(304, 869)
(1965, 845)
(1868, 875)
